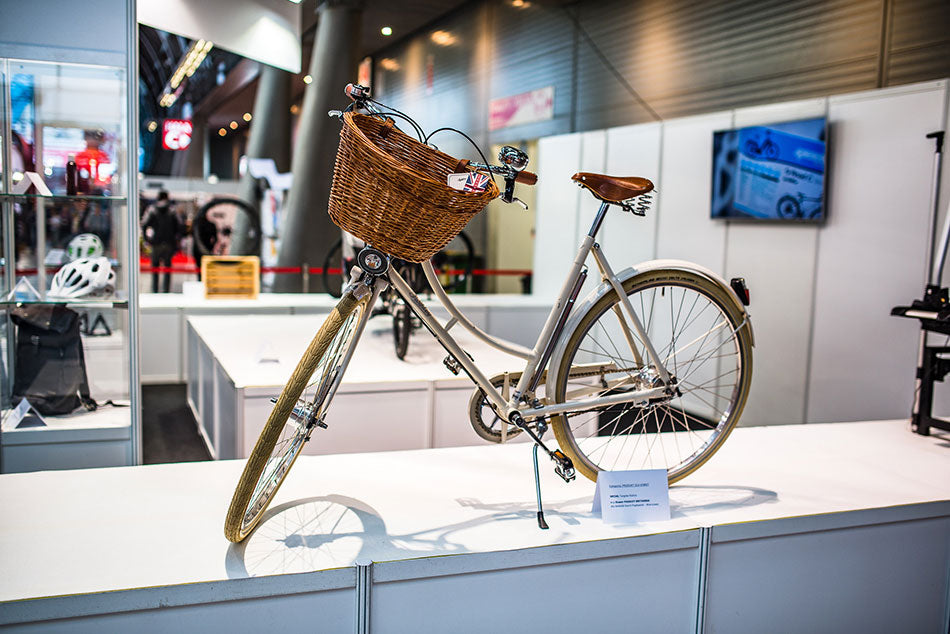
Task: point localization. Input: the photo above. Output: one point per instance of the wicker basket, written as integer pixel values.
(390, 190)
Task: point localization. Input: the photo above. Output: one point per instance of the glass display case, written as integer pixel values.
(66, 340)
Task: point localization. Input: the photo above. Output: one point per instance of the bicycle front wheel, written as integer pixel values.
(704, 342)
(309, 391)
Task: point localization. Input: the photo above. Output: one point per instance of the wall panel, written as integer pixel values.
(556, 221)
(871, 253)
(632, 151)
(778, 263)
(685, 230)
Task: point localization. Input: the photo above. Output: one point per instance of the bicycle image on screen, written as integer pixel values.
(651, 370)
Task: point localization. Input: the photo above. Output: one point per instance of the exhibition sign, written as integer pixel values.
(628, 497)
(176, 134)
(528, 107)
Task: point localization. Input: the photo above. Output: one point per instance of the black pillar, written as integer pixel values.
(268, 137)
(307, 233)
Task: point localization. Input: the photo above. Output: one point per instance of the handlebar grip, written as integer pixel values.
(526, 178)
(356, 92)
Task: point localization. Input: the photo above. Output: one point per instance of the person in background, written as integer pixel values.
(161, 230)
(207, 232)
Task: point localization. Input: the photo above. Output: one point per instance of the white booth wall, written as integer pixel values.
(827, 348)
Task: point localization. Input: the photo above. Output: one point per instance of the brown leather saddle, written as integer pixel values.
(613, 189)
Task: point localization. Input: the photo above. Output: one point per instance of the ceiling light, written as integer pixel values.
(386, 30)
(307, 79)
(388, 63)
(443, 38)
(520, 4)
(187, 66)
(294, 109)
(247, 116)
(152, 126)
(222, 132)
(233, 125)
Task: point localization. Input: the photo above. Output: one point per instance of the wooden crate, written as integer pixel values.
(231, 276)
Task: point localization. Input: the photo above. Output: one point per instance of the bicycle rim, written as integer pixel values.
(312, 385)
(699, 335)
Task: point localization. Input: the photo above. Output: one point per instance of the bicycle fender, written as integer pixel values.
(594, 296)
(712, 276)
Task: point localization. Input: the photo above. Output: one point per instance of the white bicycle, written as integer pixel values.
(650, 370)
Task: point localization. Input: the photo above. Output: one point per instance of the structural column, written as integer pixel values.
(268, 137)
(307, 232)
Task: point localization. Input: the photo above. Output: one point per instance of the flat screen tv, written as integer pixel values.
(772, 172)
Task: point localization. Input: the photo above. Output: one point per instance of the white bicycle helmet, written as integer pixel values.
(86, 277)
(85, 245)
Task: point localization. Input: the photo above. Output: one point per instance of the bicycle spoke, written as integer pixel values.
(696, 339)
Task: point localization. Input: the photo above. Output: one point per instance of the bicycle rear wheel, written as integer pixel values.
(701, 337)
(301, 405)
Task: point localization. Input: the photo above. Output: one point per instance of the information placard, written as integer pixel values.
(629, 497)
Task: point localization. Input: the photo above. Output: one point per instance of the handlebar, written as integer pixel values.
(356, 92)
(513, 158)
(527, 178)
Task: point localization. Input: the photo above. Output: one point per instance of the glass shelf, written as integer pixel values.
(61, 197)
(114, 303)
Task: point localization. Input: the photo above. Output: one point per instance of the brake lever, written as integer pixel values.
(523, 204)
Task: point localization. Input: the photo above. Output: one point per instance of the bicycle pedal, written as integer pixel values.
(567, 473)
(452, 364)
(564, 467)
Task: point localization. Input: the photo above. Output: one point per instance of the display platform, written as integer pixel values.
(516, 318)
(237, 364)
(835, 527)
(81, 439)
(78, 440)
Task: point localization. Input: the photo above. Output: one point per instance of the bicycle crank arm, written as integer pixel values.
(565, 467)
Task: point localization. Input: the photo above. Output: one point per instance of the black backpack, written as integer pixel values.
(50, 370)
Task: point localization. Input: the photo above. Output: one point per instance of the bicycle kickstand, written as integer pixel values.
(537, 488)
(563, 465)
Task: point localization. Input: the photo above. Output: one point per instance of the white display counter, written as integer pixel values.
(516, 318)
(838, 528)
(237, 364)
(78, 440)
(81, 439)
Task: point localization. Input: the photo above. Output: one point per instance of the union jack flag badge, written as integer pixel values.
(476, 182)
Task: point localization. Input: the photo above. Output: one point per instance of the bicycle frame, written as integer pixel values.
(538, 357)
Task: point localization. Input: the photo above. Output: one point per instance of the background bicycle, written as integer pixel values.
(454, 263)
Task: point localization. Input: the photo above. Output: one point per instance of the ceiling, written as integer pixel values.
(403, 16)
(222, 102)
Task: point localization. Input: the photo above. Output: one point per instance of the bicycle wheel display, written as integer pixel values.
(700, 336)
(214, 224)
(454, 264)
(402, 327)
(333, 282)
(309, 391)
